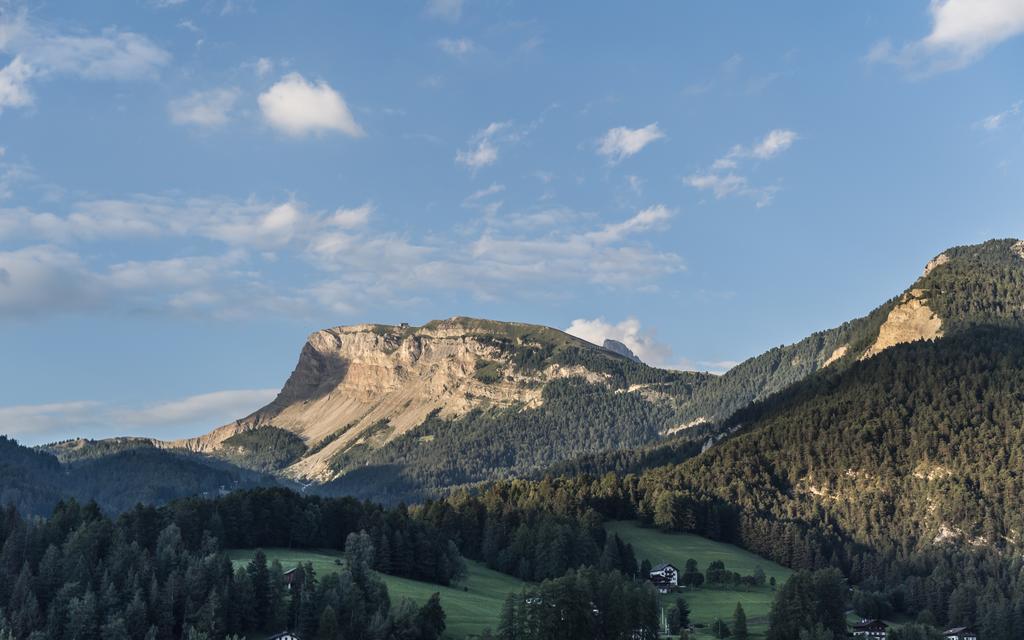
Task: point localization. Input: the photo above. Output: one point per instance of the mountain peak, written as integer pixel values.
(617, 347)
(364, 385)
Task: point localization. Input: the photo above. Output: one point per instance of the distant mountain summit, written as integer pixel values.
(619, 348)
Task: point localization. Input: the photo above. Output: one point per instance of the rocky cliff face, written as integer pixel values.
(368, 384)
(621, 349)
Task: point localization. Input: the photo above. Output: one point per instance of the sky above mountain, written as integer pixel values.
(190, 187)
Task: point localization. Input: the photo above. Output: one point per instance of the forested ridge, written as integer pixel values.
(34, 481)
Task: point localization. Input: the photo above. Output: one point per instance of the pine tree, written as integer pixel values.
(328, 628)
(739, 623)
(720, 629)
(507, 621)
(259, 577)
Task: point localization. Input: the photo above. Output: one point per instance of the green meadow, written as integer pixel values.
(707, 603)
(470, 606)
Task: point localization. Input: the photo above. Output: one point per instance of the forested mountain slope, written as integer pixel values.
(920, 445)
(960, 288)
(34, 481)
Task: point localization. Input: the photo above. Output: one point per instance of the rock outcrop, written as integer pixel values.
(349, 381)
(909, 321)
(617, 347)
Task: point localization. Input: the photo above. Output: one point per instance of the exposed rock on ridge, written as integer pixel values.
(350, 380)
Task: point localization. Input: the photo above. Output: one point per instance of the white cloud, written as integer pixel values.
(481, 194)
(173, 274)
(622, 142)
(352, 218)
(550, 250)
(204, 108)
(14, 91)
(456, 46)
(722, 179)
(212, 409)
(482, 151)
(275, 228)
(45, 278)
(40, 52)
(723, 185)
(962, 32)
(777, 141)
(645, 220)
(298, 107)
(263, 67)
(628, 332)
(996, 121)
(446, 9)
(31, 419)
(48, 422)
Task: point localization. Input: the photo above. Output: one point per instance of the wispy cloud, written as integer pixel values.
(483, 146)
(210, 108)
(722, 177)
(349, 262)
(622, 142)
(997, 120)
(45, 422)
(457, 47)
(445, 9)
(40, 52)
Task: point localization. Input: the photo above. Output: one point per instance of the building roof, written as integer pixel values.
(663, 566)
(283, 634)
(870, 624)
(956, 630)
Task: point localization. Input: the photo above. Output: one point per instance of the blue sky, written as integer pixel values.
(190, 187)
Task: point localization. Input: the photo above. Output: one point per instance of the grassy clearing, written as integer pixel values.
(470, 606)
(707, 603)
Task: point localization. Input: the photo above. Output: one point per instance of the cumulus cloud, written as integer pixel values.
(722, 177)
(456, 46)
(628, 332)
(621, 142)
(204, 108)
(298, 107)
(962, 32)
(40, 52)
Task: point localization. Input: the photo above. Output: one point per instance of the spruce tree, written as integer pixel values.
(739, 623)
